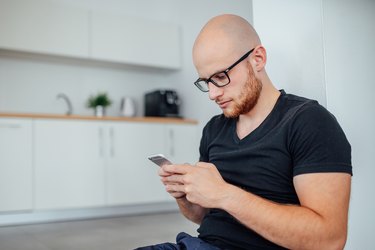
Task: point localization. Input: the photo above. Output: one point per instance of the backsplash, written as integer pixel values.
(31, 83)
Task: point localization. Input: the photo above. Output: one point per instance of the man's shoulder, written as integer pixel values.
(294, 110)
(296, 100)
(295, 105)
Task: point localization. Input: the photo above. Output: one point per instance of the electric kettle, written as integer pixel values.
(127, 107)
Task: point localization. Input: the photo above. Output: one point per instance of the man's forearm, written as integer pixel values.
(291, 226)
(192, 212)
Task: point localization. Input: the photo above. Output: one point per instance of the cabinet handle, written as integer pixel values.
(101, 142)
(12, 126)
(112, 142)
(171, 144)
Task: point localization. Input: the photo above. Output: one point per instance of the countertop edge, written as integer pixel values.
(104, 118)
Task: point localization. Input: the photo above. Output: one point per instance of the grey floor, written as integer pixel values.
(117, 233)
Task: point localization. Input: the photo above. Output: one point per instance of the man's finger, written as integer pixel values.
(176, 178)
(175, 188)
(177, 169)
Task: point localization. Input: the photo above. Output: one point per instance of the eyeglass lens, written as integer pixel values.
(219, 79)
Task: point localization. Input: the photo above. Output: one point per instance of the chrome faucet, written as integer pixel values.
(66, 99)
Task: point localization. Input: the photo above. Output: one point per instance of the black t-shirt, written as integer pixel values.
(299, 136)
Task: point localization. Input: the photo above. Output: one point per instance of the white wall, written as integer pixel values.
(349, 32)
(325, 50)
(30, 83)
(291, 33)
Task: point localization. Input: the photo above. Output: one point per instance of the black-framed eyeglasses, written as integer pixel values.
(219, 79)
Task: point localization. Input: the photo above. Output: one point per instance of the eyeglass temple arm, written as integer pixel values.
(239, 60)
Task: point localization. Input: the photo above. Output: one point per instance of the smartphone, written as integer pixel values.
(159, 160)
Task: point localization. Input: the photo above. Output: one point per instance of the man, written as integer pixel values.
(275, 169)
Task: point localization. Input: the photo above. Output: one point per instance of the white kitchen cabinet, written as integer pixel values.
(15, 164)
(69, 164)
(123, 39)
(98, 163)
(63, 29)
(44, 26)
(132, 178)
(182, 143)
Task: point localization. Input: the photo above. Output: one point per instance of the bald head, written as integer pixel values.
(222, 36)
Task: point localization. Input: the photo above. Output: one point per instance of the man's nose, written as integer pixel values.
(214, 92)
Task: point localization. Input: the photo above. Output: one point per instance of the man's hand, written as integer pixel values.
(163, 174)
(172, 177)
(202, 184)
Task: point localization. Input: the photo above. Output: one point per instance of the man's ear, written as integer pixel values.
(259, 58)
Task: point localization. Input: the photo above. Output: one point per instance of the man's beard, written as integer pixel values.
(248, 98)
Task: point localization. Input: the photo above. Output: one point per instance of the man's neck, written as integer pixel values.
(250, 121)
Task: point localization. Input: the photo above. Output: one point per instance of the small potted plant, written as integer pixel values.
(99, 103)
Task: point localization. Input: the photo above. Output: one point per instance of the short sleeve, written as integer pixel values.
(317, 142)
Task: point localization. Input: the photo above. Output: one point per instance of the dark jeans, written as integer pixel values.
(184, 242)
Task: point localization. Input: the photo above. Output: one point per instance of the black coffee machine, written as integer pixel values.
(162, 103)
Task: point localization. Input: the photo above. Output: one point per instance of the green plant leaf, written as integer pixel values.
(101, 99)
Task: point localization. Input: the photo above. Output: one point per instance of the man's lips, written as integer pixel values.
(223, 104)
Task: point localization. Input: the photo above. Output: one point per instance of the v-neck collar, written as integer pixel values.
(258, 132)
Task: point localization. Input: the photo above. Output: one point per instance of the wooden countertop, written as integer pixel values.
(105, 118)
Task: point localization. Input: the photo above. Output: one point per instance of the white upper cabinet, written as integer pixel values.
(59, 28)
(42, 26)
(138, 41)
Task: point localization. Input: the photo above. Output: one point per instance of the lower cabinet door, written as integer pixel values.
(15, 164)
(91, 163)
(69, 164)
(182, 143)
(132, 178)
